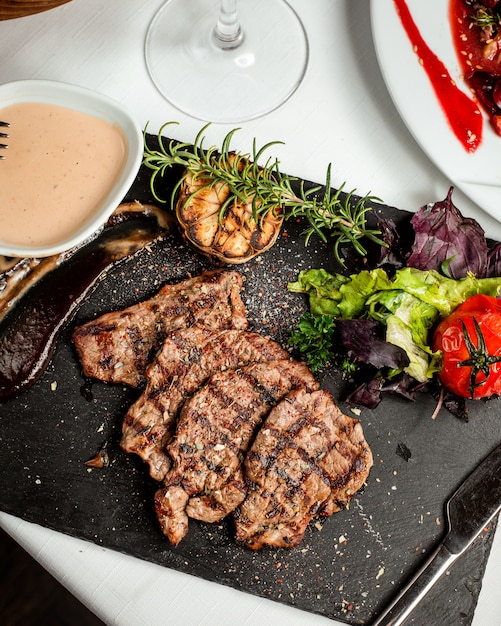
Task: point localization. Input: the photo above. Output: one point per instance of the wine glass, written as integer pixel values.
(222, 66)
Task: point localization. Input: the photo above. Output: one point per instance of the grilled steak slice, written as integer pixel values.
(187, 359)
(117, 347)
(308, 459)
(215, 429)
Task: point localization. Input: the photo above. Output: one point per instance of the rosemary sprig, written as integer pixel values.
(329, 215)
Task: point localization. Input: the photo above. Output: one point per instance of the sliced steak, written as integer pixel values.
(215, 430)
(308, 459)
(186, 360)
(117, 347)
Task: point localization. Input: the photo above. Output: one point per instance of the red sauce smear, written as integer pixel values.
(462, 113)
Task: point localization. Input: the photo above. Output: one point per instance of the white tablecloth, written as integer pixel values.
(341, 114)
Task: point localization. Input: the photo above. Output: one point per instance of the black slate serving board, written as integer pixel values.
(349, 565)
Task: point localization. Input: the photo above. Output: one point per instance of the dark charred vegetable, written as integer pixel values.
(29, 331)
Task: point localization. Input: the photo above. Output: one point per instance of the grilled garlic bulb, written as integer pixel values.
(232, 208)
(237, 236)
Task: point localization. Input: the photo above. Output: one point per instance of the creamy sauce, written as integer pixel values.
(59, 167)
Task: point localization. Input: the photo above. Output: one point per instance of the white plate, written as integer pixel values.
(95, 104)
(477, 174)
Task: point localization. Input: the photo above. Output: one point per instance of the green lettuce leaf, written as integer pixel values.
(354, 294)
(322, 289)
(445, 294)
(408, 321)
(409, 305)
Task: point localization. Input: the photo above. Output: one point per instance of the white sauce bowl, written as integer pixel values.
(91, 103)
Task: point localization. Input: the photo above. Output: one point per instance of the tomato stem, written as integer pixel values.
(480, 360)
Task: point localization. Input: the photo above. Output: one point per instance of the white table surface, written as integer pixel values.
(341, 114)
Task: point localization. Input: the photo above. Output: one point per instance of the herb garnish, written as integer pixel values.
(486, 19)
(330, 214)
(314, 339)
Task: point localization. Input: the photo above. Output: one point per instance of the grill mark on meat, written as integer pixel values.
(308, 459)
(117, 347)
(215, 429)
(187, 359)
(256, 387)
(288, 438)
(136, 341)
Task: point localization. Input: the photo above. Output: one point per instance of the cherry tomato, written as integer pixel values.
(470, 341)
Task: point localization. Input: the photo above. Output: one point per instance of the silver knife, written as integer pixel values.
(469, 510)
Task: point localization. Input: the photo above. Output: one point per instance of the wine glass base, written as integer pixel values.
(226, 86)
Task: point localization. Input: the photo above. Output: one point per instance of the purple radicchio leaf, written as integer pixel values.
(442, 234)
(404, 386)
(494, 261)
(362, 340)
(370, 393)
(392, 254)
(457, 406)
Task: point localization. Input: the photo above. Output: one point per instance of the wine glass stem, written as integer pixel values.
(227, 33)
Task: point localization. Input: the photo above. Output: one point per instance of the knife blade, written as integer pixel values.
(475, 503)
